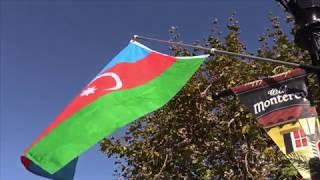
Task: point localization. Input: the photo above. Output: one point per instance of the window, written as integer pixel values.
(299, 139)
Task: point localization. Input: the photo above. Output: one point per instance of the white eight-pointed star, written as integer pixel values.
(88, 91)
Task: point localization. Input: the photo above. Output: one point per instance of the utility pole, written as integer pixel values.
(307, 19)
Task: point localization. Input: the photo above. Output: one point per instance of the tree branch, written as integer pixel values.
(247, 166)
(204, 93)
(163, 166)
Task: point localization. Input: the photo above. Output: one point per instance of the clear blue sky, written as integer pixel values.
(50, 49)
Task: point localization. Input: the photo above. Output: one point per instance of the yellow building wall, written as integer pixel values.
(276, 134)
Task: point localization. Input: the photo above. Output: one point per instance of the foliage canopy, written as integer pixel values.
(196, 137)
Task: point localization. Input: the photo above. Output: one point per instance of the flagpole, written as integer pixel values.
(309, 68)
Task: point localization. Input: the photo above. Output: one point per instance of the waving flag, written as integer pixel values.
(136, 82)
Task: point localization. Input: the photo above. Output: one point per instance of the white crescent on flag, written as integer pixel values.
(114, 76)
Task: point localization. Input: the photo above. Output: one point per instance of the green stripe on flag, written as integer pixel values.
(107, 114)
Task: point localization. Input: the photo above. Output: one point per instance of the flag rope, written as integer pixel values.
(309, 68)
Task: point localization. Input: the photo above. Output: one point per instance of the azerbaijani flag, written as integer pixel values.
(136, 82)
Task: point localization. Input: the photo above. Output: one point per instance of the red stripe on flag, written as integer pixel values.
(130, 74)
(25, 161)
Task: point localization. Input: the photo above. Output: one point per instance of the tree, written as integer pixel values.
(196, 137)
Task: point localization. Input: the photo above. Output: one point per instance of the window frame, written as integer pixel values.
(300, 138)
